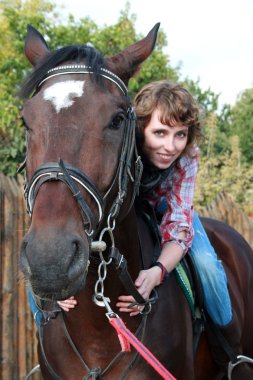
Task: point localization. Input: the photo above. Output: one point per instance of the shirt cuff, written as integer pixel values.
(172, 234)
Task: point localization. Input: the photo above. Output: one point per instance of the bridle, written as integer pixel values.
(72, 177)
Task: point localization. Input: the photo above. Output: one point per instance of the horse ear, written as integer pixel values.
(35, 46)
(128, 61)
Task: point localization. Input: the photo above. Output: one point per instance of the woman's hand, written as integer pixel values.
(146, 281)
(68, 304)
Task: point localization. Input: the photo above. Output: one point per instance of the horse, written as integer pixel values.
(82, 175)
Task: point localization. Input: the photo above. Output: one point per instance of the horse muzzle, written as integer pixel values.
(55, 266)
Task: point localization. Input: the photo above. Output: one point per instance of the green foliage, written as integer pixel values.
(207, 99)
(225, 173)
(242, 123)
(14, 17)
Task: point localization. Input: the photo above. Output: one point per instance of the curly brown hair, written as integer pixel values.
(175, 104)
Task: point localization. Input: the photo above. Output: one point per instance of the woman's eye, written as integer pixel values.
(117, 121)
(159, 133)
(182, 135)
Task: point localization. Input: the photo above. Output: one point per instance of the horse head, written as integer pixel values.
(80, 136)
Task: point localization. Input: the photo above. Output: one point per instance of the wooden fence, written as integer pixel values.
(224, 209)
(18, 343)
(18, 346)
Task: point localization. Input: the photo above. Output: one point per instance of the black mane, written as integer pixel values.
(77, 53)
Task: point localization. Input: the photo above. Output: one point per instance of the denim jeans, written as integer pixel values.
(212, 276)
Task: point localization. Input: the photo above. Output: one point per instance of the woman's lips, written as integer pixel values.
(165, 157)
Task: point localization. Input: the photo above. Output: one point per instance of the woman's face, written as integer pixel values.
(163, 144)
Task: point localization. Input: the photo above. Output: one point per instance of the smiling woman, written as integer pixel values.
(169, 128)
(163, 144)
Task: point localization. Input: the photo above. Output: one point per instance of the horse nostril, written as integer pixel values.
(24, 264)
(24, 245)
(77, 264)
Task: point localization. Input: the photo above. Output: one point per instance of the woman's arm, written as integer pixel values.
(179, 214)
(176, 230)
(148, 279)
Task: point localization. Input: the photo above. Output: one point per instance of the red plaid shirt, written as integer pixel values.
(178, 191)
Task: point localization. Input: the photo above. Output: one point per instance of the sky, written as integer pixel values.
(213, 40)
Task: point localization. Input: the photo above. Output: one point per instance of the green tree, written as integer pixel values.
(14, 16)
(211, 131)
(222, 144)
(242, 123)
(206, 98)
(225, 173)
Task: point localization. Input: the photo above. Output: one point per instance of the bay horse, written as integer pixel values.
(82, 174)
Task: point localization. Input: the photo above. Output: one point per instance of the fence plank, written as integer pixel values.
(22, 301)
(18, 343)
(8, 302)
(224, 209)
(2, 178)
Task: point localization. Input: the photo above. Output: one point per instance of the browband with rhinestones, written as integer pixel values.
(83, 69)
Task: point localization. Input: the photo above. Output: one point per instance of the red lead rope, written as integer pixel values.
(123, 331)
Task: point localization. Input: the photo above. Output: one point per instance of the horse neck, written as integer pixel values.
(127, 241)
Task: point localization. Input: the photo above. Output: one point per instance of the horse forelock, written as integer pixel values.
(75, 53)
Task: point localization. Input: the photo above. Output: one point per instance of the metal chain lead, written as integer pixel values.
(98, 296)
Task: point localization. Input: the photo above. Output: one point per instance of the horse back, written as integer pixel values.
(237, 257)
(230, 246)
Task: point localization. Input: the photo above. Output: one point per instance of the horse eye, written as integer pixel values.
(117, 121)
(23, 123)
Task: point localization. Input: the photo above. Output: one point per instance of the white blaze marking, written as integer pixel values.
(62, 94)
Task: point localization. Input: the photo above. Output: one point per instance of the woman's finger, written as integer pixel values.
(128, 299)
(68, 304)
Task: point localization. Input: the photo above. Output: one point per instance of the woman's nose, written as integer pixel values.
(169, 144)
